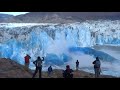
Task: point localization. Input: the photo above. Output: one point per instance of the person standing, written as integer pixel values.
(38, 64)
(27, 61)
(97, 68)
(77, 65)
(50, 71)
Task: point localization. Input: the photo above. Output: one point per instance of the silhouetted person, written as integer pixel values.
(50, 70)
(68, 72)
(27, 61)
(77, 65)
(38, 64)
(97, 65)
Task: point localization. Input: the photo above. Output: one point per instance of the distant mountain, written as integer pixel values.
(63, 17)
(5, 17)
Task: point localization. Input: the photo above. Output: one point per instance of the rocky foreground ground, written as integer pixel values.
(11, 69)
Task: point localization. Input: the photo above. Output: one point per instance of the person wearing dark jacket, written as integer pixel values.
(77, 65)
(97, 68)
(50, 71)
(68, 72)
(38, 64)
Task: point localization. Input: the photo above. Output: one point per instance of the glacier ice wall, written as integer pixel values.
(41, 39)
(59, 43)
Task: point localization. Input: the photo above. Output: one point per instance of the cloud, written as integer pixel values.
(13, 13)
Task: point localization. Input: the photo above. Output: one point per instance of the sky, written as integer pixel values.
(13, 13)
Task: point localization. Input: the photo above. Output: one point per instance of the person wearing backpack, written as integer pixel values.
(27, 61)
(38, 64)
(77, 65)
(97, 68)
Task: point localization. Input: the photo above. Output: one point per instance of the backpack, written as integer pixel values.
(77, 63)
(38, 64)
(97, 64)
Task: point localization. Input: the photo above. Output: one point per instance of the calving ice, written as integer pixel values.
(62, 44)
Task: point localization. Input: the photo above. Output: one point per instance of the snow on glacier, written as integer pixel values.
(61, 44)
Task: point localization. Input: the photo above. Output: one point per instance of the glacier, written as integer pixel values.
(62, 44)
